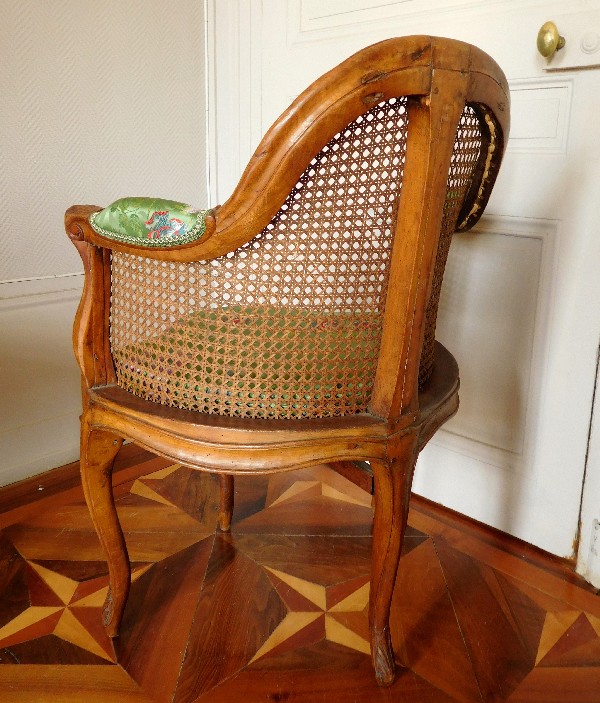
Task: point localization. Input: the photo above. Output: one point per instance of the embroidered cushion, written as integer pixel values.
(150, 222)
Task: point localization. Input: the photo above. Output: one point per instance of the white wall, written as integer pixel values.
(99, 100)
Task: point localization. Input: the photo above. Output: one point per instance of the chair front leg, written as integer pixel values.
(225, 501)
(393, 480)
(98, 451)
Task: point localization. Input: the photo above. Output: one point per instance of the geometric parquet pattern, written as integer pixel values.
(277, 610)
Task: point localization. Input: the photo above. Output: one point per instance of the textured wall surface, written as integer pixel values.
(98, 100)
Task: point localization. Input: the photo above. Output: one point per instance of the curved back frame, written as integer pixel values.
(445, 93)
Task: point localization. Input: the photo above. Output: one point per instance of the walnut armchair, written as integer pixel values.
(294, 325)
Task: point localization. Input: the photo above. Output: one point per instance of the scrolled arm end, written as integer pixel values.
(77, 222)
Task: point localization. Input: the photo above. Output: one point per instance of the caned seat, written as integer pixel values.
(295, 324)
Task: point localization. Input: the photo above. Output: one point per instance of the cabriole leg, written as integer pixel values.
(98, 451)
(225, 501)
(393, 480)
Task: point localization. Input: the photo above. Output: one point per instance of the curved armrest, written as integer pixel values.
(101, 227)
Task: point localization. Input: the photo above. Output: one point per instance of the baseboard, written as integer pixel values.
(61, 485)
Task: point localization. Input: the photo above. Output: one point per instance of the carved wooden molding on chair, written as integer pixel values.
(439, 79)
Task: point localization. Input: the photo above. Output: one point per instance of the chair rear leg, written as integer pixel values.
(393, 480)
(98, 451)
(225, 501)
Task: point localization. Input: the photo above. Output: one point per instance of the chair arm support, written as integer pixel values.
(91, 327)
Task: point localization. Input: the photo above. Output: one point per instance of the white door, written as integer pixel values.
(521, 297)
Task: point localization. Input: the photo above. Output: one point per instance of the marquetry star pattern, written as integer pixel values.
(569, 637)
(300, 546)
(63, 607)
(315, 612)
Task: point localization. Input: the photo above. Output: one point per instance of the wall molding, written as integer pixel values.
(326, 14)
(313, 20)
(234, 112)
(540, 115)
(33, 291)
(451, 437)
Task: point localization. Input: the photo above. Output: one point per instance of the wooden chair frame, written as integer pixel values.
(439, 77)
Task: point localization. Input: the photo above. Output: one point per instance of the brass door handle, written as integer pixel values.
(549, 40)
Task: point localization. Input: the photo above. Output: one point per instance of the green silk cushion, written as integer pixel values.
(150, 222)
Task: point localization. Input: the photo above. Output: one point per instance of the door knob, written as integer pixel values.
(549, 40)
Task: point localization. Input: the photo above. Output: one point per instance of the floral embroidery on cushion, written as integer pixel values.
(150, 222)
(161, 225)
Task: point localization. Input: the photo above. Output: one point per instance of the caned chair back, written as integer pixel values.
(286, 319)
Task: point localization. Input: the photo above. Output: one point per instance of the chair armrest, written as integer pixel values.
(120, 226)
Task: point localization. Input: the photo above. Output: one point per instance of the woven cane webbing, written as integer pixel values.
(289, 325)
(467, 150)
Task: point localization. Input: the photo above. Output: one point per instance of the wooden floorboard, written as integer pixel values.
(277, 610)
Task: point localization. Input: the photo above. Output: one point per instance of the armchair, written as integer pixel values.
(294, 325)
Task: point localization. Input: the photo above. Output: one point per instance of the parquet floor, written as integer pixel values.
(277, 610)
